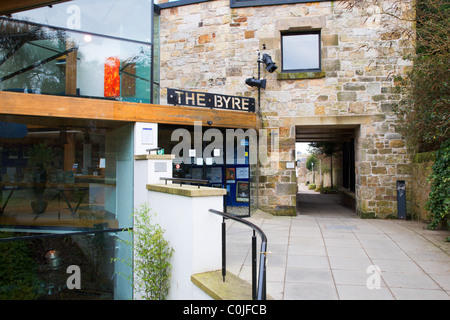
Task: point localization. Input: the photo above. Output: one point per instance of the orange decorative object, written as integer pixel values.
(112, 77)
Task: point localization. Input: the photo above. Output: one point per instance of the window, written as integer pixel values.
(301, 52)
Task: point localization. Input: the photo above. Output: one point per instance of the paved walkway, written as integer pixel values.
(328, 252)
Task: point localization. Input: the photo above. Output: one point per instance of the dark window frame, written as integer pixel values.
(299, 33)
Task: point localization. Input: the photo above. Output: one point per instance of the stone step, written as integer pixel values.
(234, 288)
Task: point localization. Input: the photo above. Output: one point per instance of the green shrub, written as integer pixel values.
(328, 189)
(152, 255)
(18, 271)
(312, 186)
(438, 203)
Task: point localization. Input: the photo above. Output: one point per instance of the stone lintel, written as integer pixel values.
(327, 120)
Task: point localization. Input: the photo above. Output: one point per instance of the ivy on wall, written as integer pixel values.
(439, 199)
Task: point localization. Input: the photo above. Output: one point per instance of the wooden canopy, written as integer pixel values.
(12, 6)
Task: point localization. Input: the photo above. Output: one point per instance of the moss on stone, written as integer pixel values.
(424, 157)
(300, 75)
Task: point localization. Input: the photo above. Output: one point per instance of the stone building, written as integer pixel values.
(334, 82)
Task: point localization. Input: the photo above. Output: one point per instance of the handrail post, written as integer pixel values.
(259, 285)
(224, 249)
(262, 272)
(254, 290)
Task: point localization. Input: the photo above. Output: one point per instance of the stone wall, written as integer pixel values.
(211, 47)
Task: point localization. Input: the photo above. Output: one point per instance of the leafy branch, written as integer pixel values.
(152, 255)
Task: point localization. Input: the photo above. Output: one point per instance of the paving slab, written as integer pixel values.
(327, 252)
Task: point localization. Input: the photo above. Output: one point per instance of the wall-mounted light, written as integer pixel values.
(261, 83)
(270, 65)
(256, 83)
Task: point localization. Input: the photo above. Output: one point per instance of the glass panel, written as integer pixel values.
(238, 177)
(63, 267)
(301, 52)
(116, 18)
(224, 165)
(65, 174)
(38, 59)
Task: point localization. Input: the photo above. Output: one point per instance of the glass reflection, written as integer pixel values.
(129, 19)
(39, 59)
(65, 175)
(66, 267)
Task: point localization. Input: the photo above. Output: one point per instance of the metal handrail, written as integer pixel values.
(184, 180)
(258, 288)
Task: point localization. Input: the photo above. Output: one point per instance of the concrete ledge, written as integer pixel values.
(187, 190)
(154, 157)
(234, 288)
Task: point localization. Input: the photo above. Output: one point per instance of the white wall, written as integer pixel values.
(191, 230)
(195, 235)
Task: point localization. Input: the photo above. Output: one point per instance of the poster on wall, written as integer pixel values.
(147, 136)
(242, 173)
(242, 191)
(216, 175)
(231, 175)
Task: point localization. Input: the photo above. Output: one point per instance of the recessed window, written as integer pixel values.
(301, 52)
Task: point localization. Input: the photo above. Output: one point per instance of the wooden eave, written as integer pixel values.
(12, 6)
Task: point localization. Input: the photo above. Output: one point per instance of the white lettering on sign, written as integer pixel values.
(210, 100)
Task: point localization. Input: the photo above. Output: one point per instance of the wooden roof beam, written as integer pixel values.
(8, 7)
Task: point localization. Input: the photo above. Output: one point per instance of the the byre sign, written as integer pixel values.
(210, 100)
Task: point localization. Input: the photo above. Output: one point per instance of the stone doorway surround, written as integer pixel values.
(278, 186)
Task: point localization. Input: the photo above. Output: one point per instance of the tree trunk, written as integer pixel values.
(331, 173)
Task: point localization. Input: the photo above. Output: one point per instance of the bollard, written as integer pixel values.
(401, 199)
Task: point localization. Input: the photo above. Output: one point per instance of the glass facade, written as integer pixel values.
(60, 176)
(66, 184)
(99, 49)
(69, 266)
